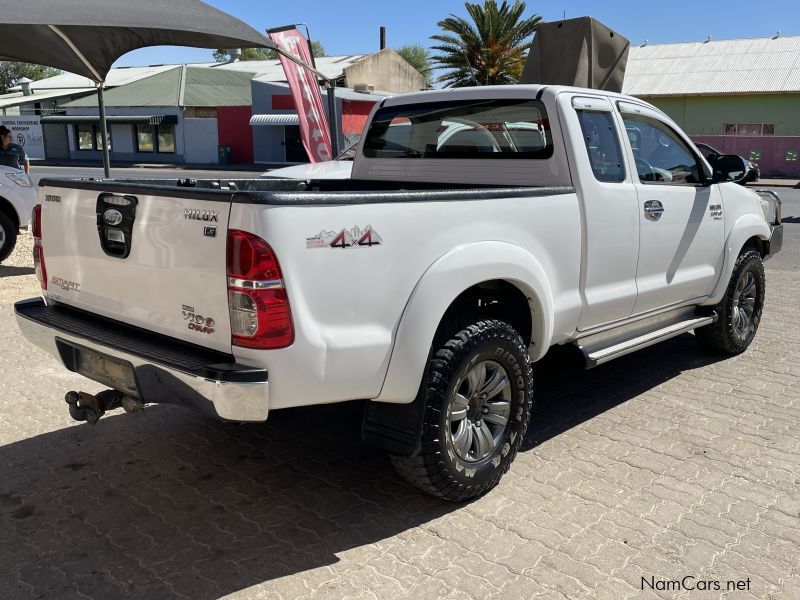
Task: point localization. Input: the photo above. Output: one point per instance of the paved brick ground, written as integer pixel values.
(662, 464)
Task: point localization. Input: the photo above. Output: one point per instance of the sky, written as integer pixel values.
(351, 26)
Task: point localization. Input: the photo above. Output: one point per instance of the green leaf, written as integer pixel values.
(493, 44)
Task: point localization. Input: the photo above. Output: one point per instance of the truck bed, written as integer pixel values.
(283, 192)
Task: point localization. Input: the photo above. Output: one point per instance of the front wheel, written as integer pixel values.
(478, 393)
(740, 309)
(8, 236)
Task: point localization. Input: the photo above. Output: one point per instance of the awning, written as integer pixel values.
(278, 120)
(115, 119)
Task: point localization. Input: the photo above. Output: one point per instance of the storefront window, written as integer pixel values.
(98, 136)
(85, 135)
(166, 138)
(90, 137)
(155, 138)
(145, 138)
(750, 129)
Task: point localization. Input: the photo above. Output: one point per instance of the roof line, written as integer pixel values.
(644, 96)
(773, 38)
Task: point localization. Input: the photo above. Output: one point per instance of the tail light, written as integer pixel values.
(259, 306)
(38, 251)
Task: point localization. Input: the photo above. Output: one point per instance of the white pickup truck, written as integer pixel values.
(507, 220)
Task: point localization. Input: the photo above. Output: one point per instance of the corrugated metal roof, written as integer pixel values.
(117, 76)
(206, 84)
(275, 119)
(342, 93)
(18, 98)
(759, 65)
(180, 86)
(271, 70)
(114, 119)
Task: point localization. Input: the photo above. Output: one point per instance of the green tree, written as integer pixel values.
(223, 54)
(418, 57)
(11, 72)
(493, 45)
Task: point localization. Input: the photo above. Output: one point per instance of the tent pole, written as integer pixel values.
(101, 101)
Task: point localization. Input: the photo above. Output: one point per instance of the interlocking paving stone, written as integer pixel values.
(662, 464)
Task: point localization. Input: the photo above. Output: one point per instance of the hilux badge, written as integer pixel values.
(112, 217)
(194, 214)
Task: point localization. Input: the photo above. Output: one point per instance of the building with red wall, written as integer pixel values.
(276, 136)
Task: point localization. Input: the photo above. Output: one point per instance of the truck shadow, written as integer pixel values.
(6, 271)
(568, 396)
(166, 502)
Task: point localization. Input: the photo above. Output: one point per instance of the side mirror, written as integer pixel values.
(730, 167)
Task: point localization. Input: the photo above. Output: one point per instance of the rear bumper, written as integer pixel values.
(167, 371)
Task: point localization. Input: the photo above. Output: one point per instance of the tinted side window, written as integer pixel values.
(602, 145)
(661, 156)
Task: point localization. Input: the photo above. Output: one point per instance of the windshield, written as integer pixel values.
(510, 128)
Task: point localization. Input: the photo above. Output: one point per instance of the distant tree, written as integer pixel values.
(11, 72)
(493, 45)
(418, 57)
(223, 54)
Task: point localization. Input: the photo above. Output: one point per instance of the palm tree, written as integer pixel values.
(493, 47)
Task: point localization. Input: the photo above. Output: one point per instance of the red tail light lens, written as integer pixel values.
(250, 257)
(259, 306)
(38, 252)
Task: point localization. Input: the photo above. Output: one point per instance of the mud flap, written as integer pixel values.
(395, 428)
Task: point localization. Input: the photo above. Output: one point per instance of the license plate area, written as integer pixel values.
(113, 372)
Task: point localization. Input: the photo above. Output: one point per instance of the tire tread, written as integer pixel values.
(426, 469)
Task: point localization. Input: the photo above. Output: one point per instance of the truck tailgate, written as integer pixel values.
(155, 262)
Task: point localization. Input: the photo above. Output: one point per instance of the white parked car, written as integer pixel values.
(17, 199)
(428, 284)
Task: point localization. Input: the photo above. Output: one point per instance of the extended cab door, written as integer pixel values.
(609, 203)
(681, 227)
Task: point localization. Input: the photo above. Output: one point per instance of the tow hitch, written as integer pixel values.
(89, 408)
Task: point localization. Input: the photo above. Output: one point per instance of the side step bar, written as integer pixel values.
(597, 356)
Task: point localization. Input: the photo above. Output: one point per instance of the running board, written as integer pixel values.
(597, 356)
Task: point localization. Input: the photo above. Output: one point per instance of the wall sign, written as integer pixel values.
(27, 132)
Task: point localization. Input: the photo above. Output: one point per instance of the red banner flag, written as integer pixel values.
(305, 91)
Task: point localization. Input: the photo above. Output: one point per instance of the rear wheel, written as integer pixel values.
(8, 236)
(740, 309)
(478, 393)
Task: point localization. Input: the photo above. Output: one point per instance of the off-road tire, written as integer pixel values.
(720, 337)
(9, 238)
(436, 468)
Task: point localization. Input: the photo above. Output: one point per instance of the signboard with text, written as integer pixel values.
(27, 132)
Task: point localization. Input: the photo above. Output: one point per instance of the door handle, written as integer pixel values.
(653, 209)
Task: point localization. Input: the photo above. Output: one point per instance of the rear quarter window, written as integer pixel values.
(602, 145)
(483, 129)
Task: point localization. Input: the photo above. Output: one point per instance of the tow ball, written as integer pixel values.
(89, 407)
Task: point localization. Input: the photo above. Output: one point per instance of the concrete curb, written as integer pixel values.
(779, 183)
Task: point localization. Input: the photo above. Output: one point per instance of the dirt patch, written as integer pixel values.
(17, 279)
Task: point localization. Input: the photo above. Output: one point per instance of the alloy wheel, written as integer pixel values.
(744, 305)
(479, 411)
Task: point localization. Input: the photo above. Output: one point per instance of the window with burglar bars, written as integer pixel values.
(750, 129)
